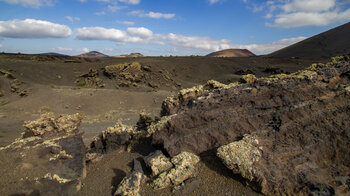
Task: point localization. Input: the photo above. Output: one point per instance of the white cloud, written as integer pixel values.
(195, 42)
(31, 28)
(141, 32)
(82, 1)
(299, 19)
(100, 33)
(156, 15)
(133, 2)
(72, 19)
(309, 5)
(299, 13)
(31, 3)
(125, 22)
(143, 35)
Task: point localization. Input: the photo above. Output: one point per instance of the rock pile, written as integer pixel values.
(165, 172)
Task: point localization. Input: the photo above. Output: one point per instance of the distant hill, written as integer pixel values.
(52, 54)
(130, 55)
(330, 43)
(92, 54)
(232, 53)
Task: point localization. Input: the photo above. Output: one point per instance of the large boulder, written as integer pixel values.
(301, 121)
(48, 160)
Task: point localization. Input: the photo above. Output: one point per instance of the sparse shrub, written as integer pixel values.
(81, 84)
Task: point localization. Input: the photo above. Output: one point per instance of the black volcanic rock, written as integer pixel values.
(300, 122)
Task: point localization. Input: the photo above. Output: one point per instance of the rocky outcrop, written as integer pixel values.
(299, 123)
(135, 75)
(90, 79)
(48, 160)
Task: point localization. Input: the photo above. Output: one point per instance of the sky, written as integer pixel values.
(163, 27)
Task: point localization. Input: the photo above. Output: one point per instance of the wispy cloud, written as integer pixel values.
(156, 15)
(299, 13)
(31, 3)
(124, 22)
(72, 19)
(31, 28)
(214, 1)
(133, 2)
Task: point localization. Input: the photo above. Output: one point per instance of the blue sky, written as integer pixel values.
(159, 27)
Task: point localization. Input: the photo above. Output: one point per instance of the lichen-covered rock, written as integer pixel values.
(114, 138)
(46, 160)
(131, 184)
(158, 162)
(184, 168)
(49, 124)
(241, 155)
(249, 78)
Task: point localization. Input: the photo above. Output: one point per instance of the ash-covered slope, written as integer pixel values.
(327, 44)
(300, 123)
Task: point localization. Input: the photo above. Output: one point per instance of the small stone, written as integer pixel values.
(158, 162)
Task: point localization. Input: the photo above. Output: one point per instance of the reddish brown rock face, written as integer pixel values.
(301, 122)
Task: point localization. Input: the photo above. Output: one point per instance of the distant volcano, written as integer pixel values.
(232, 53)
(92, 54)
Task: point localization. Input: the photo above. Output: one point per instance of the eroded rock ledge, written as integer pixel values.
(300, 122)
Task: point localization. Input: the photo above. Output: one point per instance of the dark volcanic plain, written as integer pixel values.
(53, 84)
